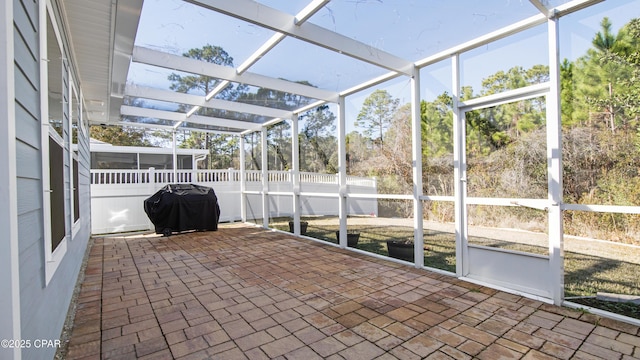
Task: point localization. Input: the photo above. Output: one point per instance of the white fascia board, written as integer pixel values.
(197, 100)
(264, 16)
(181, 63)
(196, 119)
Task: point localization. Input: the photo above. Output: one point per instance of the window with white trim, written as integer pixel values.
(55, 145)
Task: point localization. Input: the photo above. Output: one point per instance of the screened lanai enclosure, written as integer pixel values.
(501, 137)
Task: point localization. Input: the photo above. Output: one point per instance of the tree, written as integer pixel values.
(221, 147)
(628, 97)
(567, 92)
(279, 146)
(607, 41)
(376, 115)
(119, 135)
(275, 99)
(597, 77)
(205, 84)
(318, 145)
(278, 136)
(437, 126)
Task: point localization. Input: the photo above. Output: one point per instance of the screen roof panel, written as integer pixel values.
(342, 45)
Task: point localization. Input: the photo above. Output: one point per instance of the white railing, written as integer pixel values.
(279, 176)
(117, 196)
(306, 177)
(361, 181)
(112, 177)
(108, 177)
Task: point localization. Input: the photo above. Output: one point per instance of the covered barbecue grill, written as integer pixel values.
(182, 207)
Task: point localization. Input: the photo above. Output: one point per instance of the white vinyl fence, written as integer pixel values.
(117, 196)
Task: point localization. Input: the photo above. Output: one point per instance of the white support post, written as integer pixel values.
(416, 151)
(151, 173)
(243, 182)
(9, 249)
(554, 167)
(295, 174)
(342, 171)
(175, 158)
(459, 171)
(265, 180)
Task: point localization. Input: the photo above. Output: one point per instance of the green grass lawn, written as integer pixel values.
(585, 275)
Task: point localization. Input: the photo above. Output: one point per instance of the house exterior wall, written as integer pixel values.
(34, 306)
(9, 265)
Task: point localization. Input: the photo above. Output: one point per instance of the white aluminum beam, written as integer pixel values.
(370, 83)
(527, 92)
(181, 63)
(514, 28)
(573, 6)
(554, 168)
(197, 100)
(265, 178)
(343, 189)
(309, 107)
(243, 181)
(416, 154)
(196, 119)
(227, 123)
(127, 110)
(485, 39)
(261, 15)
(459, 172)
(301, 17)
(295, 174)
(309, 10)
(172, 128)
(543, 9)
(262, 50)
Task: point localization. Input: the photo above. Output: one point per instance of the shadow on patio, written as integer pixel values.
(244, 292)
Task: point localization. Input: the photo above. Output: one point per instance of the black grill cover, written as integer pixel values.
(182, 207)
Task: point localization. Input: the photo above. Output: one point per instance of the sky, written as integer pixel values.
(410, 29)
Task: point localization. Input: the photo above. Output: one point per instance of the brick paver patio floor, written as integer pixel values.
(247, 293)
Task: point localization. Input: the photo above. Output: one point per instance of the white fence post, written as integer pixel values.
(152, 188)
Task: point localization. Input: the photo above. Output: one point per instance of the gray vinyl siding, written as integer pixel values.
(43, 306)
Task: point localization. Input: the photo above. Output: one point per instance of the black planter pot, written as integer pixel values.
(400, 250)
(352, 238)
(303, 227)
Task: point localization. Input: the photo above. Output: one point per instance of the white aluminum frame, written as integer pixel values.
(52, 258)
(74, 98)
(288, 25)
